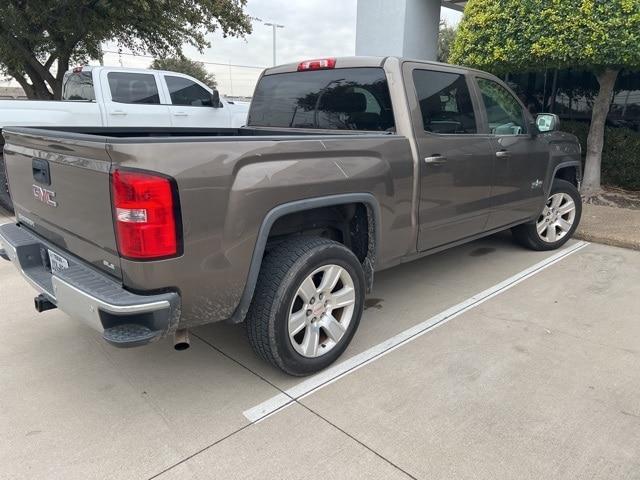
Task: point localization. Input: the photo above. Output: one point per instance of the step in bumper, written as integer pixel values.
(85, 293)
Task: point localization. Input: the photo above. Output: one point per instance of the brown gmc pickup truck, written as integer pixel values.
(347, 166)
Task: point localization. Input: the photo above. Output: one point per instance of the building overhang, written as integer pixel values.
(454, 4)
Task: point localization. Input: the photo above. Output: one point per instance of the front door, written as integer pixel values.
(521, 159)
(456, 162)
(191, 104)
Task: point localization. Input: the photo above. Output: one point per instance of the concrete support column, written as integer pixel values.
(404, 28)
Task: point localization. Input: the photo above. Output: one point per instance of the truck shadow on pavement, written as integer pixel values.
(402, 297)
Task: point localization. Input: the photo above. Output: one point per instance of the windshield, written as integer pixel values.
(340, 99)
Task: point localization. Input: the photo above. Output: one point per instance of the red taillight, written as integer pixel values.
(317, 64)
(144, 215)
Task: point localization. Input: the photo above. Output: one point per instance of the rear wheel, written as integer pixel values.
(556, 223)
(307, 304)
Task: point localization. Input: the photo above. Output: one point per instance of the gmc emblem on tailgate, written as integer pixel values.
(44, 195)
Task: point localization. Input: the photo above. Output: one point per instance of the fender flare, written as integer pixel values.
(285, 209)
(571, 163)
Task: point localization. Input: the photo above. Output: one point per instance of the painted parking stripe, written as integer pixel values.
(331, 374)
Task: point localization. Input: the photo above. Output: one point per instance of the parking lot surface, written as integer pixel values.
(538, 378)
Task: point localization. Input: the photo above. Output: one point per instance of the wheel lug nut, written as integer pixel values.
(320, 296)
(312, 301)
(308, 313)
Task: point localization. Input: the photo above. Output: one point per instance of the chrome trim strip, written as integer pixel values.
(71, 160)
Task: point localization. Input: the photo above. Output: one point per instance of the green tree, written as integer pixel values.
(600, 36)
(188, 67)
(40, 39)
(446, 37)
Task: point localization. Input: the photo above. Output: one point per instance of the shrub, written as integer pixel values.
(620, 155)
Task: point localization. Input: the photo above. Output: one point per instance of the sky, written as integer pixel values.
(313, 28)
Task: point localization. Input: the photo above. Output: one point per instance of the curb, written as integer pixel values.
(603, 239)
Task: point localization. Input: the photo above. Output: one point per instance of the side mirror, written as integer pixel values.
(215, 99)
(547, 122)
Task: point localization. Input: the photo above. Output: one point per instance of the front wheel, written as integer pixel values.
(307, 304)
(556, 223)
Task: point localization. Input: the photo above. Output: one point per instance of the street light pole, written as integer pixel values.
(274, 26)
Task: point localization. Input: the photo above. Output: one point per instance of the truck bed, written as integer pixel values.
(140, 133)
(228, 180)
(71, 132)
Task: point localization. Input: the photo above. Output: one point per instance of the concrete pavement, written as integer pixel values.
(540, 381)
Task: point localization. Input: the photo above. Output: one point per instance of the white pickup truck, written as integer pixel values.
(123, 97)
(126, 97)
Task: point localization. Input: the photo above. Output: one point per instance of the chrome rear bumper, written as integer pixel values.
(125, 319)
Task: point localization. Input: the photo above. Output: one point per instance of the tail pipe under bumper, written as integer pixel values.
(181, 340)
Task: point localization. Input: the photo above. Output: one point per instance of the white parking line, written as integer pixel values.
(331, 374)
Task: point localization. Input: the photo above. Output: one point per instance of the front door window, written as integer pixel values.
(504, 113)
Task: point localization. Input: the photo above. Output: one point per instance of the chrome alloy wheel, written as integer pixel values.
(321, 311)
(556, 218)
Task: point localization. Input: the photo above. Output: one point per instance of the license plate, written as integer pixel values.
(58, 262)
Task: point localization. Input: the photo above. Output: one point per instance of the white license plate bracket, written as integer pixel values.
(58, 262)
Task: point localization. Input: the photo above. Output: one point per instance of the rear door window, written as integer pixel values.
(445, 102)
(187, 92)
(78, 86)
(139, 88)
(337, 99)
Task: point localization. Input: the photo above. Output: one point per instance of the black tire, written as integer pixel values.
(527, 234)
(283, 271)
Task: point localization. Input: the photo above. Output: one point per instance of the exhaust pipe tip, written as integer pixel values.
(181, 340)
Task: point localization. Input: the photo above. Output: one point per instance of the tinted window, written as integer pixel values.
(504, 113)
(341, 99)
(133, 88)
(445, 102)
(185, 92)
(78, 86)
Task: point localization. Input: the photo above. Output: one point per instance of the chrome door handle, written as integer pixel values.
(435, 160)
(118, 112)
(503, 154)
(181, 114)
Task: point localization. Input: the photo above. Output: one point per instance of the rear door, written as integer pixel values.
(133, 99)
(521, 159)
(190, 104)
(456, 160)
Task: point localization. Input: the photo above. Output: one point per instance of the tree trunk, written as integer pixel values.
(63, 66)
(595, 141)
(38, 86)
(26, 86)
(554, 92)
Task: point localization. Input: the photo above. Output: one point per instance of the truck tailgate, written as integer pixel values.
(60, 190)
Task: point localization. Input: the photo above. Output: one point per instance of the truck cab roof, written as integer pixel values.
(362, 61)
